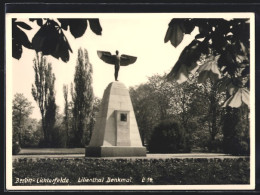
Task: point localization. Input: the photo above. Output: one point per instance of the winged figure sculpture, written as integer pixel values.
(116, 60)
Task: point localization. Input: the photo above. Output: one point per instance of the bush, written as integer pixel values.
(168, 137)
(162, 171)
(16, 148)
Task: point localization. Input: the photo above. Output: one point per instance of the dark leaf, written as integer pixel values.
(24, 40)
(16, 50)
(218, 42)
(95, 26)
(175, 32)
(222, 27)
(204, 28)
(64, 23)
(19, 39)
(188, 26)
(23, 25)
(168, 34)
(77, 26)
(241, 31)
(245, 72)
(50, 40)
(38, 21)
(199, 36)
(227, 60)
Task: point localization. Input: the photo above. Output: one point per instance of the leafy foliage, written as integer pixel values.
(153, 101)
(196, 106)
(92, 119)
(58, 134)
(168, 137)
(22, 109)
(32, 133)
(170, 171)
(219, 50)
(16, 148)
(19, 38)
(177, 29)
(236, 131)
(44, 94)
(50, 39)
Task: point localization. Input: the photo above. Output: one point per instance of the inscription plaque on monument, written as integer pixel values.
(122, 128)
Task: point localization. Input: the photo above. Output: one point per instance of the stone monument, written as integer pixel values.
(116, 132)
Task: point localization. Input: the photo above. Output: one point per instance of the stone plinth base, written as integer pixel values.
(115, 151)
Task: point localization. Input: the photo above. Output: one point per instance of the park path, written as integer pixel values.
(35, 153)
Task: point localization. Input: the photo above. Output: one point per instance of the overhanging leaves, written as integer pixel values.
(209, 70)
(19, 38)
(77, 26)
(242, 95)
(187, 62)
(95, 26)
(175, 32)
(50, 40)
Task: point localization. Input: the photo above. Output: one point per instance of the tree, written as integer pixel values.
(66, 112)
(236, 131)
(32, 136)
(158, 100)
(92, 119)
(82, 97)
(220, 52)
(196, 106)
(44, 94)
(58, 133)
(147, 108)
(50, 39)
(22, 109)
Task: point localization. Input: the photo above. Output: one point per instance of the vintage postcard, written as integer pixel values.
(130, 101)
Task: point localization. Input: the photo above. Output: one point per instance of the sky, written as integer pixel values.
(137, 35)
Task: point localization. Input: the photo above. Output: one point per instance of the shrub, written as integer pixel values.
(16, 148)
(168, 137)
(162, 171)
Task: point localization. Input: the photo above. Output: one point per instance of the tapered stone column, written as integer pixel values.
(116, 132)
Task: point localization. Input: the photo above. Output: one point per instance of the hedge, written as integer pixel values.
(131, 171)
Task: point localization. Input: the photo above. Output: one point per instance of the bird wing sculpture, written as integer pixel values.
(106, 57)
(125, 60)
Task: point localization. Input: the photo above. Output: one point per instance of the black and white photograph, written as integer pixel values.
(130, 101)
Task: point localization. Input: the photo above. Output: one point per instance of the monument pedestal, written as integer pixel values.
(116, 132)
